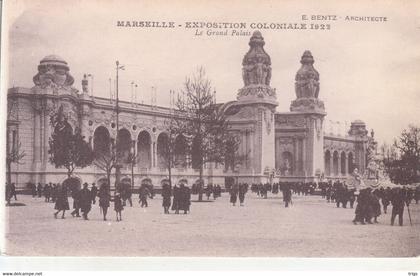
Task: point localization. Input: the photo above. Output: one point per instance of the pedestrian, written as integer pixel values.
(8, 193)
(118, 206)
(104, 198)
(241, 192)
(94, 192)
(127, 195)
(166, 196)
(185, 199)
(54, 190)
(62, 202)
(39, 190)
(85, 201)
(33, 189)
(287, 195)
(13, 191)
(361, 212)
(143, 194)
(176, 199)
(351, 197)
(75, 194)
(47, 192)
(398, 201)
(376, 206)
(234, 194)
(385, 198)
(209, 190)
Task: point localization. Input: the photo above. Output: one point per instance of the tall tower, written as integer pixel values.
(307, 103)
(257, 102)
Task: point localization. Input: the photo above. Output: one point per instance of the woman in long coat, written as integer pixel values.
(104, 198)
(62, 202)
(234, 194)
(118, 205)
(166, 195)
(176, 199)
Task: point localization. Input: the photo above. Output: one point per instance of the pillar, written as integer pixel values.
(339, 164)
(331, 163)
(346, 169)
(295, 156)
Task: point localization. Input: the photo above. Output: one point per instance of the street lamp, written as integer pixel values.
(117, 165)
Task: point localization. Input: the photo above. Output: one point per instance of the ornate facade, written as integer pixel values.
(285, 146)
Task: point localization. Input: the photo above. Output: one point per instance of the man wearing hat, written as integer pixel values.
(397, 200)
(85, 201)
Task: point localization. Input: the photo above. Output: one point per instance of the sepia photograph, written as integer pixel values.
(211, 129)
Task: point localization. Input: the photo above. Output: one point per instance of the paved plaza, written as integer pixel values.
(263, 227)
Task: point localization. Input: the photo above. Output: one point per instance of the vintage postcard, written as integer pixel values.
(211, 128)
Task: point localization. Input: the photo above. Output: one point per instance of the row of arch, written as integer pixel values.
(338, 163)
(147, 153)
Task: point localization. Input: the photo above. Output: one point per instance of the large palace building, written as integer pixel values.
(281, 146)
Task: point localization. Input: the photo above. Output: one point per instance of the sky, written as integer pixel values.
(368, 70)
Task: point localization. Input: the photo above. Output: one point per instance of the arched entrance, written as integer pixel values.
(327, 164)
(351, 162)
(287, 163)
(144, 156)
(162, 150)
(101, 142)
(124, 146)
(180, 151)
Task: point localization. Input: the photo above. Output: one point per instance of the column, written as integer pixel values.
(295, 156)
(331, 163)
(346, 169)
(304, 156)
(135, 147)
(37, 142)
(339, 164)
(153, 150)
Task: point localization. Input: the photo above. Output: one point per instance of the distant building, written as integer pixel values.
(285, 146)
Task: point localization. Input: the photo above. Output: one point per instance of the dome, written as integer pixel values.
(358, 122)
(54, 60)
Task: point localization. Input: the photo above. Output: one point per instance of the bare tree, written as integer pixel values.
(14, 155)
(205, 126)
(106, 160)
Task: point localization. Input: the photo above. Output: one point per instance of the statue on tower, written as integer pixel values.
(307, 86)
(256, 73)
(307, 78)
(256, 63)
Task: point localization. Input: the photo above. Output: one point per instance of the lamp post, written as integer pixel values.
(117, 109)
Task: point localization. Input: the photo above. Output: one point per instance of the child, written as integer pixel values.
(118, 205)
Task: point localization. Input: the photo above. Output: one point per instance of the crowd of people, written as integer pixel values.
(370, 202)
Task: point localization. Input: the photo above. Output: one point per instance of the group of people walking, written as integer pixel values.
(369, 200)
(181, 200)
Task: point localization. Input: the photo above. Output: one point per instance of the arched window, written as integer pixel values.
(124, 145)
(327, 159)
(144, 156)
(162, 150)
(350, 162)
(101, 142)
(180, 152)
(343, 163)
